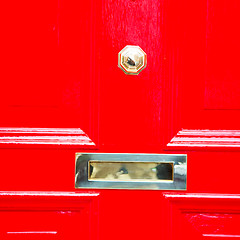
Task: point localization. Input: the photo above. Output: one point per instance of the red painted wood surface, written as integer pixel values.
(48, 215)
(58, 72)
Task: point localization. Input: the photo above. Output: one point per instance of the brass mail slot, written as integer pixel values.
(130, 171)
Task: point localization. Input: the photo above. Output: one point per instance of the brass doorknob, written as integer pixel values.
(132, 59)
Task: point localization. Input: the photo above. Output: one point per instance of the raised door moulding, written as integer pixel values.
(86, 204)
(188, 138)
(45, 200)
(45, 137)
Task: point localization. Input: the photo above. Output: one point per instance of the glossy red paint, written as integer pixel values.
(48, 215)
(59, 70)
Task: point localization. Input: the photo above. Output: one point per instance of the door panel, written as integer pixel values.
(222, 51)
(48, 215)
(62, 92)
(47, 66)
(38, 225)
(203, 49)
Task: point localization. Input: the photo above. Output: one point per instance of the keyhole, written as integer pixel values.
(130, 61)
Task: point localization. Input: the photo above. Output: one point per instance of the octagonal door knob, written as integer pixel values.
(132, 59)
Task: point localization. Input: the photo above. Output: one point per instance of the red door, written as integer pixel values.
(62, 93)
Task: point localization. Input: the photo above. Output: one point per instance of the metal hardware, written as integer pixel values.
(132, 59)
(131, 171)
